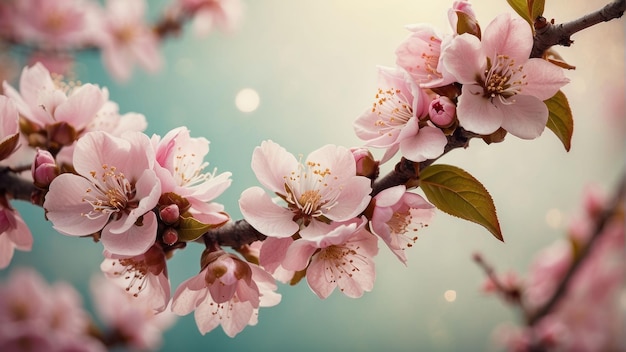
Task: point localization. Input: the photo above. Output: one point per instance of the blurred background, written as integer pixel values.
(313, 66)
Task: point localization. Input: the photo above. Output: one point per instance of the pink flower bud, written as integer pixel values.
(44, 168)
(365, 163)
(463, 19)
(442, 112)
(170, 236)
(170, 214)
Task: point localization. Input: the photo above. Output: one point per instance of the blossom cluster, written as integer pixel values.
(52, 317)
(482, 82)
(588, 317)
(144, 197)
(54, 30)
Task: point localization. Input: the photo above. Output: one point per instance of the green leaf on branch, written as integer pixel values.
(191, 229)
(459, 194)
(560, 119)
(536, 8)
(521, 7)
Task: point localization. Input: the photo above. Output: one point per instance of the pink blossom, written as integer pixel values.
(143, 276)
(209, 14)
(109, 119)
(587, 317)
(341, 255)
(419, 55)
(114, 193)
(42, 315)
(14, 234)
(324, 188)
(9, 128)
(134, 320)
(127, 39)
(502, 87)
(181, 169)
(47, 102)
(53, 24)
(226, 292)
(394, 123)
(398, 216)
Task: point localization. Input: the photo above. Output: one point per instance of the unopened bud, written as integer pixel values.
(170, 236)
(365, 163)
(463, 19)
(44, 168)
(442, 112)
(170, 214)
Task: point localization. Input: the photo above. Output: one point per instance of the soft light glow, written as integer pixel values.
(450, 295)
(554, 218)
(247, 100)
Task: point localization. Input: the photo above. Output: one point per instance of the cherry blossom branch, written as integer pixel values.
(14, 186)
(406, 171)
(548, 34)
(234, 234)
(513, 294)
(603, 219)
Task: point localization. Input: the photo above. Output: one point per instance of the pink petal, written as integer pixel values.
(526, 118)
(32, 81)
(271, 163)
(353, 200)
(509, 36)
(81, 107)
(390, 196)
(135, 241)
(185, 300)
(146, 50)
(477, 113)
(266, 216)
(317, 278)
(429, 143)
(118, 62)
(273, 252)
(298, 255)
(543, 79)
(463, 58)
(7, 249)
(64, 206)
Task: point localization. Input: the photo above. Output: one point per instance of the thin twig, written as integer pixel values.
(548, 34)
(603, 219)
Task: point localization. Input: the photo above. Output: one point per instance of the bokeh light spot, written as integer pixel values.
(554, 218)
(450, 295)
(247, 100)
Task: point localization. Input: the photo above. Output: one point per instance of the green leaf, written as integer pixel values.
(560, 119)
(459, 194)
(521, 7)
(191, 229)
(536, 8)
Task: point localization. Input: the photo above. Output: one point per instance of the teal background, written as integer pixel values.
(313, 65)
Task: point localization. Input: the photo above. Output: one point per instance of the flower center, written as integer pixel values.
(340, 262)
(112, 193)
(188, 172)
(135, 273)
(392, 109)
(503, 79)
(403, 228)
(430, 59)
(308, 192)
